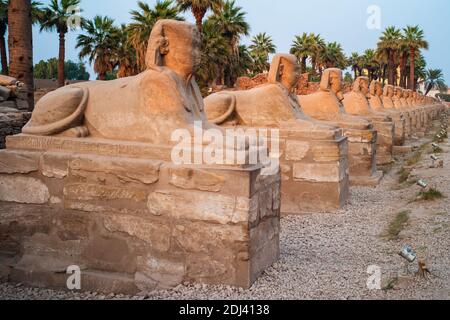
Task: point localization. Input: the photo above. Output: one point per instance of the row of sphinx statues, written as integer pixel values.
(364, 124)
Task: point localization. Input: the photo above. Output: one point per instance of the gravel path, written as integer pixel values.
(326, 256)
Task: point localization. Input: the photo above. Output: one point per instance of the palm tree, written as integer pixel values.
(319, 45)
(414, 39)
(143, 21)
(333, 56)
(125, 54)
(35, 11)
(230, 22)
(388, 45)
(260, 49)
(98, 44)
(434, 79)
(303, 47)
(356, 63)
(56, 16)
(214, 55)
(199, 8)
(370, 63)
(20, 44)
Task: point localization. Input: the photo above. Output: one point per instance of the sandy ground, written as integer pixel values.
(326, 256)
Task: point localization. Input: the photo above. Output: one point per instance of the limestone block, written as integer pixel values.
(55, 165)
(192, 206)
(86, 192)
(318, 172)
(211, 269)
(115, 170)
(23, 190)
(109, 253)
(195, 179)
(166, 273)
(156, 234)
(13, 161)
(296, 150)
(327, 152)
(200, 237)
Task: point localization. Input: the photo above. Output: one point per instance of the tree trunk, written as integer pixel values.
(102, 76)
(20, 43)
(198, 14)
(402, 71)
(3, 55)
(412, 55)
(304, 58)
(61, 59)
(391, 69)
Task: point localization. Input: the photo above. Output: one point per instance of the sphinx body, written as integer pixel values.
(325, 104)
(308, 185)
(356, 103)
(377, 99)
(129, 109)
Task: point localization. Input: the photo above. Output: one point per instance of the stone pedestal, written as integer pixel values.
(129, 218)
(362, 157)
(385, 141)
(315, 176)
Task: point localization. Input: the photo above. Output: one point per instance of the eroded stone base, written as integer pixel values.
(362, 155)
(133, 223)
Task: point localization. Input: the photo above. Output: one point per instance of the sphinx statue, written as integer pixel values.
(388, 97)
(325, 105)
(398, 98)
(377, 99)
(356, 103)
(100, 154)
(134, 108)
(274, 105)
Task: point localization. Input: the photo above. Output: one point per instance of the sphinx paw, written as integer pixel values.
(76, 132)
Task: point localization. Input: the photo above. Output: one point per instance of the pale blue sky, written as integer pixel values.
(343, 21)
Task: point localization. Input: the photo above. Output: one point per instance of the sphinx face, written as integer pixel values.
(378, 90)
(336, 85)
(290, 74)
(184, 49)
(364, 87)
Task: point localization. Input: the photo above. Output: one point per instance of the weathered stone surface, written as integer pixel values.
(208, 238)
(296, 150)
(192, 206)
(23, 190)
(210, 269)
(72, 226)
(115, 170)
(55, 165)
(109, 253)
(14, 161)
(86, 192)
(196, 179)
(156, 234)
(318, 172)
(329, 152)
(166, 273)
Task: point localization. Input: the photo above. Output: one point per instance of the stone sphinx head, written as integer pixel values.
(398, 92)
(361, 85)
(332, 82)
(376, 89)
(176, 45)
(285, 70)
